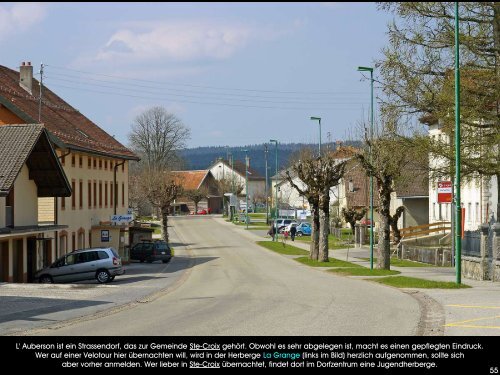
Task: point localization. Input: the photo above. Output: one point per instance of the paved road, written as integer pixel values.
(234, 287)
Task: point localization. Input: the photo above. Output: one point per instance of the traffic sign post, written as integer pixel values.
(444, 192)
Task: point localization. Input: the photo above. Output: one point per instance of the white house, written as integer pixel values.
(234, 172)
(478, 197)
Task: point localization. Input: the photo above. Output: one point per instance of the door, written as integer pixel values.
(31, 257)
(4, 261)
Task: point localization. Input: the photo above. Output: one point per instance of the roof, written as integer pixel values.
(72, 128)
(239, 167)
(190, 180)
(30, 144)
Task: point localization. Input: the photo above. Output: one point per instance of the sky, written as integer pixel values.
(234, 73)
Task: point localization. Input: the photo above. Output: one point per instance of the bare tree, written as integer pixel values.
(390, 159)
(228, 185)
(161, 190)
(258, 196)
(196, 195)
(351, 215)
(330, 172)
(157, 136)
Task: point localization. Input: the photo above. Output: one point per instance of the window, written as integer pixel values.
(111, 194)
(89, 194)
(105, 194)
(72, 160)
(478, 213)
(63, 203)
(123, 194)
(100, 163)
(73, 194)
(123, 167)
(100, 194)
(80, 162)
(110, 165)
(102, 255)
(95, 194)
(89, 160)
(95, 163)
(105, 165)
(81, 194)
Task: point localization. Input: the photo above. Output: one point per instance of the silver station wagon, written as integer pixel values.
(102, 264)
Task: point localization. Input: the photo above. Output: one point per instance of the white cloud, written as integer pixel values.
(20, 17)
(182, 41)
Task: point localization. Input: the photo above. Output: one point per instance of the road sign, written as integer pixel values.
(444, 192)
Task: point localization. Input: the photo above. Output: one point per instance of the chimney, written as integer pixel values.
(26, 76)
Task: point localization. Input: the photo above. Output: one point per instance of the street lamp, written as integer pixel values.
(276, 190)
(319, 121)
(267, 184)
(368, 69)
(458, 205)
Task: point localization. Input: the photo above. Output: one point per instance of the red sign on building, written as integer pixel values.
(444, 192)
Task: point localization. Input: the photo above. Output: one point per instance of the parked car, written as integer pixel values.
(282, 223)
(201, 212)
(366, 222)
(102, 264)
(303, 229)
(151, 251)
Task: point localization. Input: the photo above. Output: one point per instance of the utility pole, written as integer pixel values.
(40, 99)
(458, 205)
(265, 194)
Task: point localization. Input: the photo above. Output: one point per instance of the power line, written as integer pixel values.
(195, 102)
(198, 86)
(50, 78)
(189, 91)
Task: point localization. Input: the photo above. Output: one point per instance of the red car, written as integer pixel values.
(201, 212)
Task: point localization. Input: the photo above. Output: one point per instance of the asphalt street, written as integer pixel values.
(231, 286)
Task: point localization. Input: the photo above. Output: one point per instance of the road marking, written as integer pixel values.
(461, 323)
(475, 307)
(472, 326)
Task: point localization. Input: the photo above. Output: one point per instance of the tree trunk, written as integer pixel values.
(324, 205)
(353, 228)
(164, 213)
(314, 250)
(384, 244)
(498, 199)
(324, 219)
(384, 236)
(394, 224)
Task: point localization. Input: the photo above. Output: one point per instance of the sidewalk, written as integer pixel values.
(463, 312)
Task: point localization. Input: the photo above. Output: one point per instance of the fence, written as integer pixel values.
(471, 243)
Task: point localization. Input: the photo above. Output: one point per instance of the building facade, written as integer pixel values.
(479, 195)
(29, 171)
(95, 163)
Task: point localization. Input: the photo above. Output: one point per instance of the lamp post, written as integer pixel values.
(319, 121)
(276, 189)
(458, 205)
(368, 69)
(267, 182)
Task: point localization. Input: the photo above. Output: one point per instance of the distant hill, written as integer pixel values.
(204, 157)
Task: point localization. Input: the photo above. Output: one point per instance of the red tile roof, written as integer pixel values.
(190, 180)
(62, 120)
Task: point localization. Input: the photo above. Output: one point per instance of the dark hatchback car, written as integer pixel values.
(151, 251)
